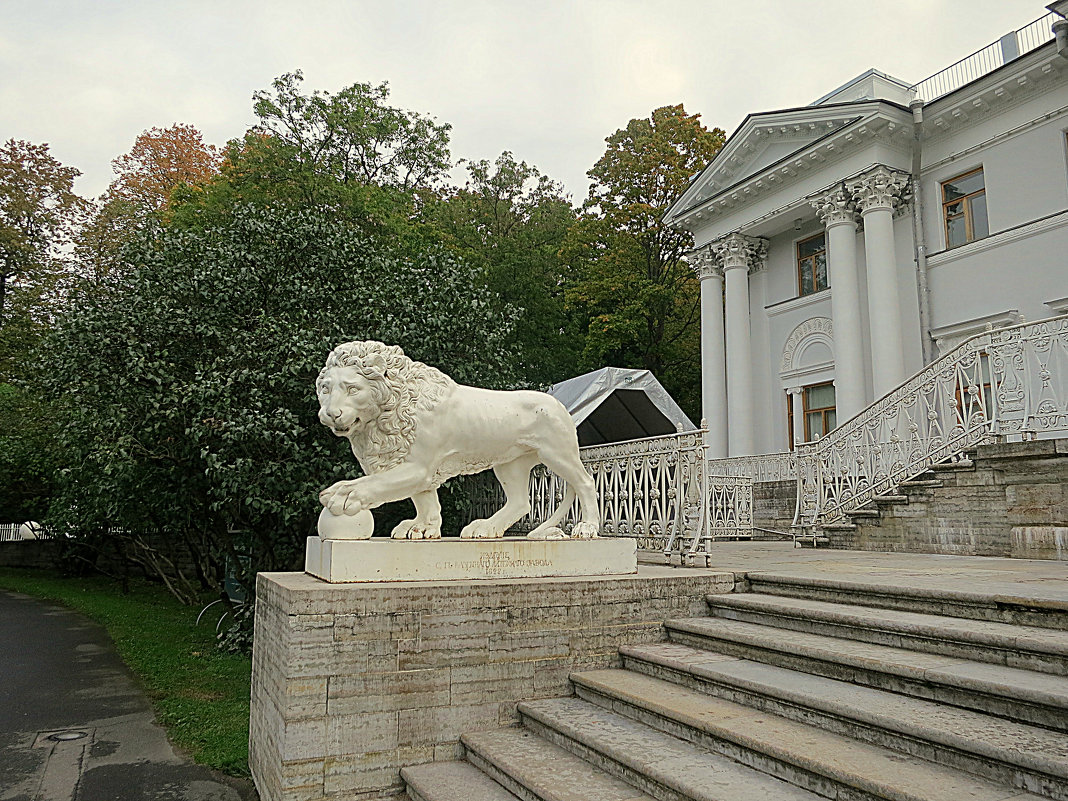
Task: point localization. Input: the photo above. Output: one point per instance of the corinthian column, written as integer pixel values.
(837, 213)
(877, 192)
(713, 354)
(736, 255)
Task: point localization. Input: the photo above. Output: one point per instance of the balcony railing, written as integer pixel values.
(981, 62)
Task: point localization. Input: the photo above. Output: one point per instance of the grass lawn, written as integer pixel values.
(200, 694)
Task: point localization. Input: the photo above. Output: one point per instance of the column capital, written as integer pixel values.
(835, 206)
(793, 390)
(879, 188)
(703, 262)
(738, 250)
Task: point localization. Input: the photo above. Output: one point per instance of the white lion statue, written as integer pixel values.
(412, 427)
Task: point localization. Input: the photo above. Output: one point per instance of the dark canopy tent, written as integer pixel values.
(614, 404)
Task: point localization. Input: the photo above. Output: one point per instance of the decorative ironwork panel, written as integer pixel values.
(657, 490)
(1008, 382)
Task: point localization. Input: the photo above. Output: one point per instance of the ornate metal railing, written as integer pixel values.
(1006, 382)
(766, 467)
(657, 490)
(979, 63)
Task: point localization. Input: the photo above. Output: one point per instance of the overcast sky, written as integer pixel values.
(546, 79)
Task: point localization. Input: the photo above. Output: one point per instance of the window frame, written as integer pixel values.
(822, 410)
(966, 206)
(797, 265)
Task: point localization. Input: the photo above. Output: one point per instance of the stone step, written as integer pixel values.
(1024, 695)
(1045, 650)
(452, 781)
(665, 767)
(829, 764)
(534, 769)
(921, 484)
(1007, 606)
(864, 514)
(891, 499)
(1003, 751)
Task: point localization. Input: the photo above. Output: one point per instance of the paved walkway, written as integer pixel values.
(60, 677)
(1027, 578)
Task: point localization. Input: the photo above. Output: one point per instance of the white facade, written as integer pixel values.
(774, 340)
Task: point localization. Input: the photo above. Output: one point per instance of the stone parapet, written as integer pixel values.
(352, 682)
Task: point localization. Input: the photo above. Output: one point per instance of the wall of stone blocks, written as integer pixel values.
(351, 682)
(773, 505)
(1013, 501)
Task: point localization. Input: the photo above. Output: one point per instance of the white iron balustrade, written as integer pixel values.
(1006, 382)
(657, 490)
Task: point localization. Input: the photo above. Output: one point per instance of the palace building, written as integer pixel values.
(844, 244)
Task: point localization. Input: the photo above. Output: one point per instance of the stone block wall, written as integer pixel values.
(773, 506)
(1013, 501)
(351, 682)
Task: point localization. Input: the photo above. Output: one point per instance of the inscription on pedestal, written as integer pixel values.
(343, 561)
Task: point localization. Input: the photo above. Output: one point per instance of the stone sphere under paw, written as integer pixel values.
(359, 526)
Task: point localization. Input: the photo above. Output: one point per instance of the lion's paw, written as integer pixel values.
(415, 530)
(584, 531)
(344, 498)
(551, 533)
(480, 530)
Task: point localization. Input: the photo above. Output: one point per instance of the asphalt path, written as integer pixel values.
(74, 723)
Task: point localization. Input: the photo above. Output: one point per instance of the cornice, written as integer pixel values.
(883, 122)
(1009, 85)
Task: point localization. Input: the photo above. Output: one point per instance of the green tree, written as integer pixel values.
(374, 164)
(510, 220)
(641, 298)
(39, 211)
(186, 381)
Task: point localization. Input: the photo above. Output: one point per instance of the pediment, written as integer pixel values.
(768, 139)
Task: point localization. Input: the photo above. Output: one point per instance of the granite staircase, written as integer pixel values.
(1007, 499)
(799, 689)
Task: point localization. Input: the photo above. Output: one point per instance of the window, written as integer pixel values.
(811, 265)
(818, 405)
(964, 208)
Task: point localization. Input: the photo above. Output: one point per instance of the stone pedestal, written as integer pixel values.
(352, 682)
(453, 559)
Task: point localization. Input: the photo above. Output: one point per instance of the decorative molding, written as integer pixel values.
(812, 329)
(703, 262)
(997, 240)
(1059, 306)
(880, 188)
(823, 297)
(737, 250)
(947, 337)
(835, 206)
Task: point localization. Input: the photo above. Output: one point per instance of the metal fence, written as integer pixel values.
(657, 490)
(12, 532)
(981, 62)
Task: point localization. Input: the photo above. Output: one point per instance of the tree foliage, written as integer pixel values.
(163, 165)
(187, 381)
(640, 296)
(39, 211)
(161, 160)
(354, 136)
(510, 220)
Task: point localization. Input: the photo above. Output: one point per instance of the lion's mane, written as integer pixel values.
(401, 387)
